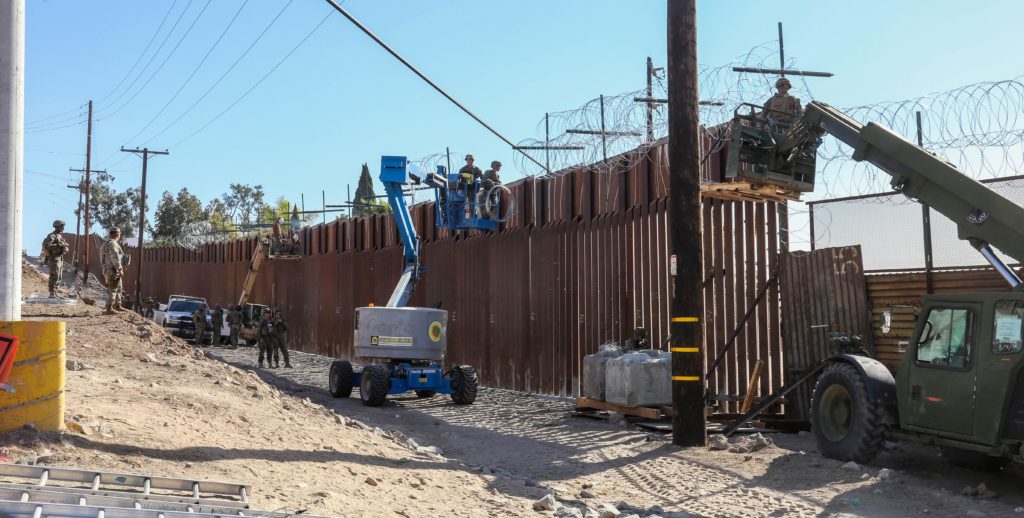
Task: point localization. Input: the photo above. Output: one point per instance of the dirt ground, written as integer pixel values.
(174, 410)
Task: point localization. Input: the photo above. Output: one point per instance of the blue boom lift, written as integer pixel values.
(405, 346)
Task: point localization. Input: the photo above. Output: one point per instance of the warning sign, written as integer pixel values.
(435, 331)
(399, 341)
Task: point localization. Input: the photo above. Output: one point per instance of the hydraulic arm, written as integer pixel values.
(983, 217)
(393, 175)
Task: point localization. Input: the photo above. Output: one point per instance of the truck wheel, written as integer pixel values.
(426, 393)
(375, 385)
(464, 385)
(340, 379)
(975, 460)
(846, 425)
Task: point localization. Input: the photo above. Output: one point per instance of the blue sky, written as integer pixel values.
(340, 100)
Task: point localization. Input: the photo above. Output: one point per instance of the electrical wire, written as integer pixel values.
(54, 116)
(141, 54)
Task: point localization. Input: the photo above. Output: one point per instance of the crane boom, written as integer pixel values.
(982, 216)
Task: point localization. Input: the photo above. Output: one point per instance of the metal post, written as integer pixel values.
(88, 192)
(685, 329)
(323, 204)
(547, 144)
(782, 53)
(926, 221)
(448, 154)
(810, 214)
(650, 95)
(348, 199)
(604, 136)
(302, 198)
(12, 126)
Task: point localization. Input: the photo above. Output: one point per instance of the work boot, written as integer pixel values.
(53, 294)
(108, 311)
(287, 365)
(261, 365)
(117, 307)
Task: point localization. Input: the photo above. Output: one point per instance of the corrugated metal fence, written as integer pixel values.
(583, 262)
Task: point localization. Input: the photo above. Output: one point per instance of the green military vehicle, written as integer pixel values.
(960, 384)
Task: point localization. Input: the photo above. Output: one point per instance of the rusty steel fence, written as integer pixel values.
(584, 261)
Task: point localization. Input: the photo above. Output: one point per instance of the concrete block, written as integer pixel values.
(639, 379)
(594, 370)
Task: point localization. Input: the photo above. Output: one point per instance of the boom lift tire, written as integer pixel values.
(375, 385)
(464, 385)
(426, 393)
(975, 460)
(340, 379)
(846, 423)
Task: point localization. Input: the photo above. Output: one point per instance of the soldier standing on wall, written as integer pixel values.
(280, 340)
(112, 261)
(54, 248)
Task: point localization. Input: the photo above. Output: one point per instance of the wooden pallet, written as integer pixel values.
(745, 191)
(639, 411)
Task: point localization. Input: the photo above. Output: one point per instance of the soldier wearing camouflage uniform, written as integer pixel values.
(267, 339)
(199, 322)
(235, 324)
(217, 322)
(112, 261)
(54, 248)
(280, 341)
(785, 108)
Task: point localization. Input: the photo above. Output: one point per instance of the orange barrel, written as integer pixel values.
(37, 377)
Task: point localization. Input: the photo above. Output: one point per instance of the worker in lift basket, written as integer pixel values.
(782, 107)
(467, 176)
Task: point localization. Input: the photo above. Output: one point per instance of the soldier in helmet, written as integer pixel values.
(782, 107)
(54, 248)
(112, 261)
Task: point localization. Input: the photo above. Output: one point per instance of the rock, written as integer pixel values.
(548, 503)
(885, 474)
(623, 505)
(44, 456)
(105, 429)
(851, 466)
(76, 427)
(339, 419)
(154, 385)
(118, 381)
(432, 450)
(655, 509)
(982, 491)
(587, 485)
(371, 481)
(586, 494)
(751, 443)
(590, 513)
(73, 365)
(718, 442)
(322, 494)
(568, 512)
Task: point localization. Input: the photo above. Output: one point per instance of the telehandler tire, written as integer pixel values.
(846, 424)
(975, 460)
(340, 379)
(375, 385)
(425, 393)
(464, 385)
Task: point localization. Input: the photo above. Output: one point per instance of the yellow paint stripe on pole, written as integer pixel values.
(685, 350)
(685, 320)
(685, 378)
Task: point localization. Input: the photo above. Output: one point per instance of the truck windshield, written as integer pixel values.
(189, 306)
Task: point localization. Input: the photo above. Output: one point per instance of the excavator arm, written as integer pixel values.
(983, 217)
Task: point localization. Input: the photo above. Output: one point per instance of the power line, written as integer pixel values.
(225, 74)
(416, 71)
(155, 54)
(79, 123)
(141, 54)
(164, 62)
(79, 115)
(54, 116)
(196, 69)
(253, 87)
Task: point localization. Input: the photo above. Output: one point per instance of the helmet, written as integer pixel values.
(495, 164)
(58, 223)
(114, 230)
(781, 81)
(469, 157)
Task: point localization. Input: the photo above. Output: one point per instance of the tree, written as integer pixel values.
(220, 220)
(110, 208)
(174, 214)
(364, 191)
(243, 204)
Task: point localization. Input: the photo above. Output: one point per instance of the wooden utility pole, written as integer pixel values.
(83, 191)
(88, 192)
(145, 152)
(684, 206)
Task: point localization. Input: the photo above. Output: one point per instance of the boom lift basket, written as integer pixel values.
(752, 152)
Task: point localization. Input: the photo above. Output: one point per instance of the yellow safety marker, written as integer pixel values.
(686, 378)
(685, 320)
(685, 349)
(37, 377)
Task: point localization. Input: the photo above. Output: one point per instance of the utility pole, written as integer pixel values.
(84, 190)
(145, 152)
(78, 225)
(650, 105)
(12, 143)
(88, 192)
(684, 205)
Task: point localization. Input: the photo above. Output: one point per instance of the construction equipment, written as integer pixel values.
(253, 313)
(960, 384)
(405, 345)
(474, 204)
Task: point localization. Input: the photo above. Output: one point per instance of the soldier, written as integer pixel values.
(54, 248)
(199, 322)
(266, 335)
(280, 340)
(112, 261)
(784, 107)
(235, 324)
(217, 321)
(491, 177)
(639, 340)
(469, 172)
(149, 308)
